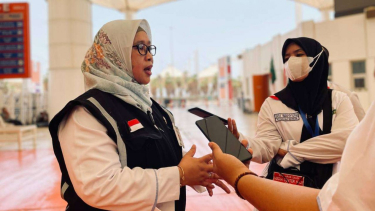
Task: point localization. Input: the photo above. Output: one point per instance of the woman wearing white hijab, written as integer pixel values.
(352, 188)
(117, 148)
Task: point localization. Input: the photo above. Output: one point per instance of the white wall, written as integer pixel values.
(343, 37)
(348, 39)
(370, 63)
(341, 73)
(277, 61)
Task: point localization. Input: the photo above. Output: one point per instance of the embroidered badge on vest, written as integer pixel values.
(286, 117)
(134, 125)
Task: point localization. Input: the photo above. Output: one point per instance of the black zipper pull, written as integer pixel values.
(153, 121)
(151, 117)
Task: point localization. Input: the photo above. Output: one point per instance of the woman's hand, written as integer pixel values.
(215, 179)
(233, 127)
(196, 170)
(199, 171)
(282, 152)
(226, 166)
(245, 143)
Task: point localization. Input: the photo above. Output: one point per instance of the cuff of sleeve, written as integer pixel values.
(284, 145)
(290, 161)
(199, 189)
(169, 184)
(319, 203)
(327, 193)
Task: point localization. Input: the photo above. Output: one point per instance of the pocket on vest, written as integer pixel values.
(142, 141)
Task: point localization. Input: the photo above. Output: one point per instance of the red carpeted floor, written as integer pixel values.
(30, 180)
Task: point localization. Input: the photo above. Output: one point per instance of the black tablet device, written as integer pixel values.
(202, 113)
(215, 131)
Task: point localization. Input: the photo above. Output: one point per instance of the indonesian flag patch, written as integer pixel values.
(134, 125)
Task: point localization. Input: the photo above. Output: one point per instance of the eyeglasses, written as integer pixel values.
(142, 49)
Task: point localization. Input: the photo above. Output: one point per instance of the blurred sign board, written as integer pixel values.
(225, 79)
(14, 40)
(350, 7)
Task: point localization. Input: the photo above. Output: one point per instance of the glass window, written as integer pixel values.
(359, 83)
(358, 67)
(359, 75)
(330, 69)
(330, 72)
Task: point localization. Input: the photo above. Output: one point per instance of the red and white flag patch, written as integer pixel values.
(134, 125)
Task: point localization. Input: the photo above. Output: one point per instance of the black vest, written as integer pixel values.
(316, 175)
(151, 147)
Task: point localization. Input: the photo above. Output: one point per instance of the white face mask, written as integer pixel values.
(299, 67)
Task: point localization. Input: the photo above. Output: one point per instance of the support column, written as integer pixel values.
(298, 10)
(325, 14)
(129, 14)
(70, 36)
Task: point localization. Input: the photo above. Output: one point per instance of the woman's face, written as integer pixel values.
(141, 65)
(295, 50)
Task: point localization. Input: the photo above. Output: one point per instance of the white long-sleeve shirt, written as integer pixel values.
(94, 168)
(353, 188)
(280, 127)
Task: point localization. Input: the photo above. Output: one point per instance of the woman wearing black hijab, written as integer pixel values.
(311, 91)
(302, 129)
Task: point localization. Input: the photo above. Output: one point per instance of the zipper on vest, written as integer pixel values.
(153, 121)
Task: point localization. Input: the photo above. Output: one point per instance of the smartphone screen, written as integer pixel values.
(202, 113)
(215, 131)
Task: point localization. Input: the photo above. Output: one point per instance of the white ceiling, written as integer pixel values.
(129, 5)
(319, 4)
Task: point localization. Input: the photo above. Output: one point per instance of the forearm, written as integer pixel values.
(326, 148)
(264, 149)
(270, 195)
(267, 140)
(321, 149)
(130, 189)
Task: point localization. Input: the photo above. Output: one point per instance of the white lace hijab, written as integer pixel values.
(107, 65)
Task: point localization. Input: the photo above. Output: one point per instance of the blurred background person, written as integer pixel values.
(6, 117)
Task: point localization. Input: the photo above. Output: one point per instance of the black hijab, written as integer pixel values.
(310, 93)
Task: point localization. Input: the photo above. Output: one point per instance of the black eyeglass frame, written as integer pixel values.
(147, 47)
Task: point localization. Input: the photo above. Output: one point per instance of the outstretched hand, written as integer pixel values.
(195, 169)
(245, 143)
(199, 171)
(226, 166)
(216, 179)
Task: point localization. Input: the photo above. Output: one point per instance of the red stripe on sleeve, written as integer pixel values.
(274, 97)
